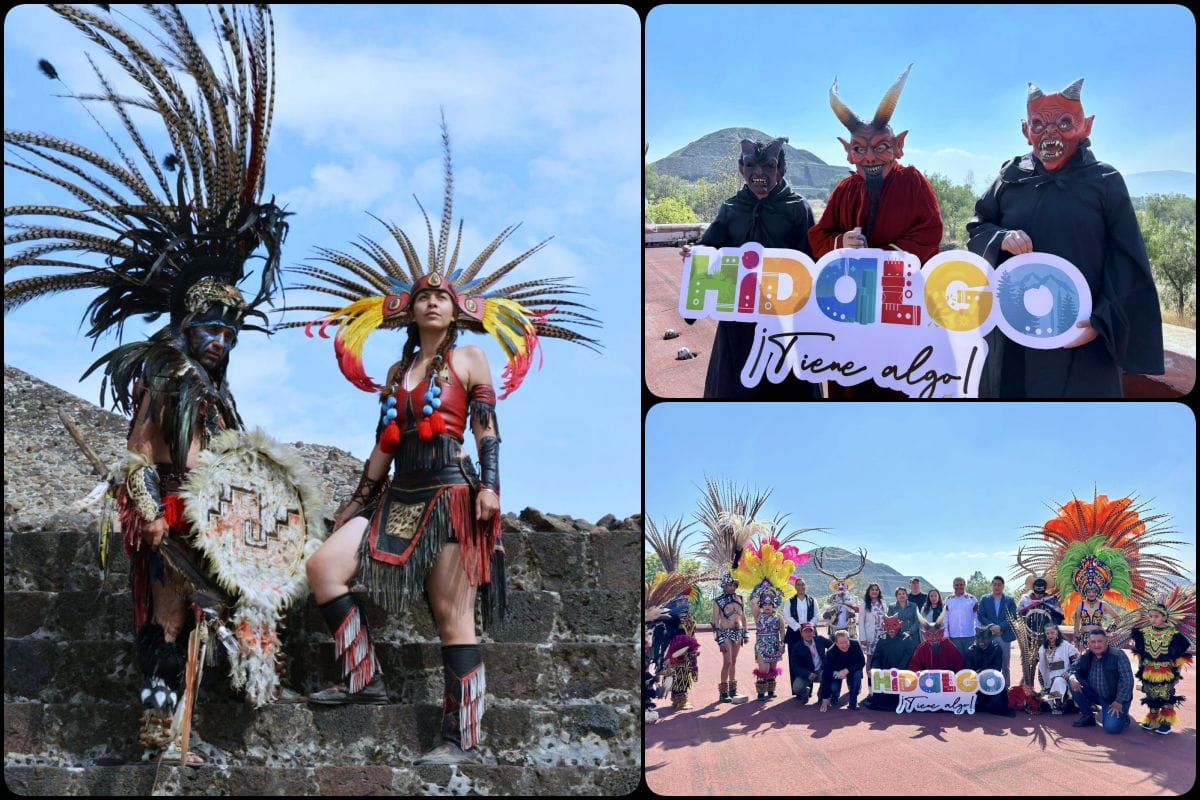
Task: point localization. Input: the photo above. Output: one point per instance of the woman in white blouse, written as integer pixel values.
(870, 626)
(1055, 655)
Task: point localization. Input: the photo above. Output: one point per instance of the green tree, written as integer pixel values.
(1168, 224)
(957, 202)
(670, 209)
(978, 584)
(653, 566)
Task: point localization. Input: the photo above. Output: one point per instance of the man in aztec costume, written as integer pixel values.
(768, 211)
(176, 243)
(841, 609)
(674, 650)
(882, 205)
(1059, 199)
(433, 529)
(1163, 646)
(1103, 548)
(769, 567)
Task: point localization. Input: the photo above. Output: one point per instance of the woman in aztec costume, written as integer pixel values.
(1162, 645)
(173, 240)
(434, 527)
(674, 650)
(768, 567)
(728, 516)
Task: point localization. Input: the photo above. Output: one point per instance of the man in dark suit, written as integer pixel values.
(843, 662)
(799, 610)
(994, 614)
(809, 653)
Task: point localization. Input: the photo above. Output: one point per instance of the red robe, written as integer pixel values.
(947, 657)
(907, 218)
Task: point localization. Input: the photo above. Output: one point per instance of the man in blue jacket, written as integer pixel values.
(1102, 677)
(994, 612)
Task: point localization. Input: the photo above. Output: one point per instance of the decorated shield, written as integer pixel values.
(256, 516)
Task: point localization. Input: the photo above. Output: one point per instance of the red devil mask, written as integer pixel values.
(891, 625)
(1056, 125)
(873, 148)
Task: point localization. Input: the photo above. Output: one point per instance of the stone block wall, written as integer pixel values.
(562, 713)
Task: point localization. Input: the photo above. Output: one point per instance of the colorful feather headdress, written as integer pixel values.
(380, 295)
(174, 246)
(1106, 544)
(1179, 607)
(768, 567)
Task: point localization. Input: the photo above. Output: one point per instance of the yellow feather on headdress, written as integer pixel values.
(767, 564)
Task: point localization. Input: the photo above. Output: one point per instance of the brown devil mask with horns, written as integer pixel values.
(873, 148)
(1055, 126)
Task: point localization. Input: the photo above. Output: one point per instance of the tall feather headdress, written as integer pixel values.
(1110, 544)
(380, 289)
(148, 242)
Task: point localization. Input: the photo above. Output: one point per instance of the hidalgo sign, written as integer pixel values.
(860, 314)
(936, 689)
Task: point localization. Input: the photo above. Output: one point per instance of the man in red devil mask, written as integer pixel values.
(1059, 199)
(883, 204)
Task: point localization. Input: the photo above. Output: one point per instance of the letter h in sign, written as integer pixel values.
(895, 280)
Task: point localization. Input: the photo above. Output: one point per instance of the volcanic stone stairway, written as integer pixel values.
(562, 676)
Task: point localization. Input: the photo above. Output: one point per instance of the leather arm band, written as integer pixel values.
(482, 407)
(489, 463)
(367, 490)
(144, 489)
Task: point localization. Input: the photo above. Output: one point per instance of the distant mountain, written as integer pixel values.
(715, 155)
(1165, 181)
(841, 562)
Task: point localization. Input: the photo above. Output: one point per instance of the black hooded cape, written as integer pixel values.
(1081, 213)
(781, 219)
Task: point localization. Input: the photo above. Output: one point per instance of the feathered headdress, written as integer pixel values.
(166, 244)
(1107, 544)
(668, 543)
(380, 291)
(1179, 607)
(173, 245)
(768, 570)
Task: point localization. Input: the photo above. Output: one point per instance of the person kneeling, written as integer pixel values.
(843, 662)
(1102, 677)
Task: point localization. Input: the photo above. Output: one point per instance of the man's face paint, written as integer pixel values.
(1055, 127)
(759, 165)
(874, 152)
(211, 343)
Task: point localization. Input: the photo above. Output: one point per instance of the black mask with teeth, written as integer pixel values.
(761, 165)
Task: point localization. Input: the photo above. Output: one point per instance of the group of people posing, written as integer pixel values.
(1058, 198)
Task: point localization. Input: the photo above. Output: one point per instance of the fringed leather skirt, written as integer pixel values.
(420, 512)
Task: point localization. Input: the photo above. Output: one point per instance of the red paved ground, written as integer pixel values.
(779, 748)
(665, 376)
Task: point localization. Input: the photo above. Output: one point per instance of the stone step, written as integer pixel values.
(324, 780)
(103, 669)
(63, 555)
(299, 735)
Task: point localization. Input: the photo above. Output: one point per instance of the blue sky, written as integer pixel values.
(543, 106)
(933, 489)
(770, 68)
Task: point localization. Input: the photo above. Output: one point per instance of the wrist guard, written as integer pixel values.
(368, 489)
(145, 490)
(482, 406)
(489, 463)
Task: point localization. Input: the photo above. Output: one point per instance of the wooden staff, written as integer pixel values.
(88, 453)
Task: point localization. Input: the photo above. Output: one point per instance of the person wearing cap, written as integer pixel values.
(768, 211)
(799, 609)
(810, 661)
(915, 595)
